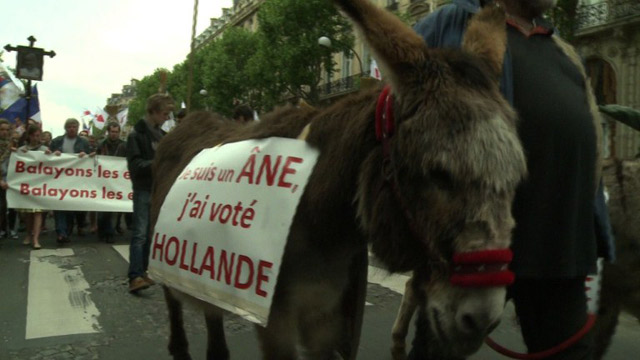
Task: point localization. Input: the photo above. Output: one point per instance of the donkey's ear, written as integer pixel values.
(486, 37)
(396, 46)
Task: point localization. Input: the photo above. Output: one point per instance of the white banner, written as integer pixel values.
(67, 182)
(223, 226)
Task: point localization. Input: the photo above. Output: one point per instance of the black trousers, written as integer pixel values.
(551, 311)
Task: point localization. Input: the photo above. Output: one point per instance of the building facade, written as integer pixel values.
(608, 38)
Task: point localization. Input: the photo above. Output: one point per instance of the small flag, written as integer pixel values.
(374, 70)
(17, 112)
(123, 117)
(100, 118)
(9, 90)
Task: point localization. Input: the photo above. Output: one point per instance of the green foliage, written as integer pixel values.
(224, 74)
(281, 60)
(564, 17)
(289, 50)
(148, 86)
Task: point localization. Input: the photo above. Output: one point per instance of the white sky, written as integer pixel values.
(100, 46)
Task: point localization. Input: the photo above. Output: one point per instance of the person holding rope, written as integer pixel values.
(561, 225)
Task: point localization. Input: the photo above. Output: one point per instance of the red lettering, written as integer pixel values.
(208, 263)
(262, 277)
(157, 246)
(271, 171)
(248, 169)
(182, 265)
(227, 266)
(242, 259)
(223, 219)
(194, 251)
(24, 189)
(172, 261)
(288, 170)
(20, 166)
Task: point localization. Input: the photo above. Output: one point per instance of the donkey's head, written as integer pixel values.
(435, 196)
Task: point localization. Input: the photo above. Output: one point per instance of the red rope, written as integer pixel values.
(591, 319)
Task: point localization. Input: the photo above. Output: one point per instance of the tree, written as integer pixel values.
(564, 17)
(289, 58)
(224, 69)
(146, 87)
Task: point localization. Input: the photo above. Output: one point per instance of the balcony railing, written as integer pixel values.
(341, 86)
(607, 12)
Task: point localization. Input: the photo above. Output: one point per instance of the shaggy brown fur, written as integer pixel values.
(621, 280)
(456, 157)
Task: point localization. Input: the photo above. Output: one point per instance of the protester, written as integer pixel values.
(5, 152)
(46, 138)
(33, 217)
(69, 143)
(243, 114)
(141, 148)
(554, 242)
(112, 145)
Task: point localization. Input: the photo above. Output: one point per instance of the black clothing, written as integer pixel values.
(112, 148)
(553, 207)
(141, 148)
(81, 145)
(545, 317)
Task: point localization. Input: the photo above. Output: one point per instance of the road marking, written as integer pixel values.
(58, 302)
(123, 250)
(393, 282)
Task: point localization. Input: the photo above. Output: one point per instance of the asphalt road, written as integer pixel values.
(72, 303)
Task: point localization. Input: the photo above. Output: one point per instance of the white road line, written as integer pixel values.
(123, 250)
(58, 302)
(394, 282)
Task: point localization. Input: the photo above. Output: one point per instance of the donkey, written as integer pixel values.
(423, 171)
(621, 279)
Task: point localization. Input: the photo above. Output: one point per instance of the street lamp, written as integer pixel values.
(203, 92)
(326, 42)
(29, 65)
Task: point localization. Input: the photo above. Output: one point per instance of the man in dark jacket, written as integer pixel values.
(112, 145)
(555, 242)
(141, 148)
(69, 143)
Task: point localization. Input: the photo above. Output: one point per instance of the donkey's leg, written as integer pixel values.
(403, 320)
(278, 339)
(216, 343)
(321, 326)
(178, 344)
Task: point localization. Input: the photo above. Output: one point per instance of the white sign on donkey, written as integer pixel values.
(223, 226)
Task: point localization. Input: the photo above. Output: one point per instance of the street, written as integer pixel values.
(72, 303)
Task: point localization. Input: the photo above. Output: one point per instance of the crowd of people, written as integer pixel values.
(139, 150)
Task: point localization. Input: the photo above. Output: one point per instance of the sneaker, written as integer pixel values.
(14, 234)
(137, 284)
(3, 234)
(148, 279)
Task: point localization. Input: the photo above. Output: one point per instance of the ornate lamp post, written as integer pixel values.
(30, 63)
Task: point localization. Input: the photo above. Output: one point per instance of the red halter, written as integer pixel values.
(486, 268)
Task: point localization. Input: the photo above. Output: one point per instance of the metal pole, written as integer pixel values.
(28, 97)
(191, 55)
(359, 60)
